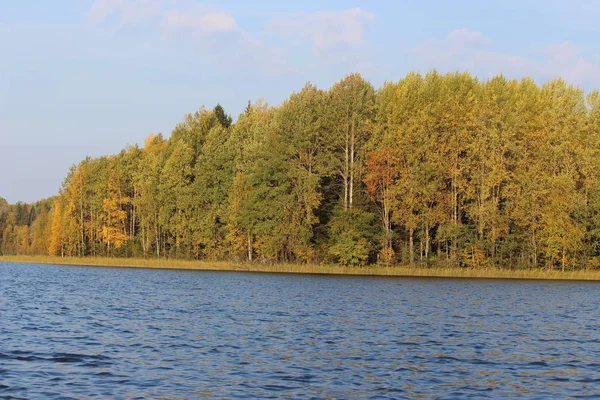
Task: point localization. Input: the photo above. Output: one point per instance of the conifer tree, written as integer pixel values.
(224, 119)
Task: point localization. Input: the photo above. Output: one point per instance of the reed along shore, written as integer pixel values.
(372, 270)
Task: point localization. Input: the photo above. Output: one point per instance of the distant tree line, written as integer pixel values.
(441, 170)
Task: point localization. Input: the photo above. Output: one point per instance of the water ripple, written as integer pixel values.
(82, 332)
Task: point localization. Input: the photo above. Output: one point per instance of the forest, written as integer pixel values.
(432, 170)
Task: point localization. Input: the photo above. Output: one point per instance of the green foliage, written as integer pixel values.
(224, 119)
(354, 236)
(213, 180)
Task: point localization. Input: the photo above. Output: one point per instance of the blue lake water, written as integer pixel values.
(89, 332)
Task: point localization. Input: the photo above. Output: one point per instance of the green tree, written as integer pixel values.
(223, 118)
(213, 180)
(351, 106)
(176, 200)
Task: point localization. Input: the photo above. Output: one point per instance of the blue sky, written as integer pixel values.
(84, 77)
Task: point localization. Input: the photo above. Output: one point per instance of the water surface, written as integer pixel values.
(90, 332)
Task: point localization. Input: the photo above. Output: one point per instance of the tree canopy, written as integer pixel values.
(435, 169)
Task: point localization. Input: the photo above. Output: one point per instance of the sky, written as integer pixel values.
(87, 77)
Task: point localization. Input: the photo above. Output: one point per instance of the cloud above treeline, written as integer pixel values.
(463, 49)
(338, 39)
(332, 35)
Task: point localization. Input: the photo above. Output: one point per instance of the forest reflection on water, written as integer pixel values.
(131, 333)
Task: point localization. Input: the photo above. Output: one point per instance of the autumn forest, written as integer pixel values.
(433, 170)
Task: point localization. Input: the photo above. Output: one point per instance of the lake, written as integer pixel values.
(89, 332)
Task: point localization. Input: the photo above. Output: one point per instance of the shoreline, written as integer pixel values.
(310, 269)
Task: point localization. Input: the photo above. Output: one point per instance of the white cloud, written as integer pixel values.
(568, 62)
(462, 49)
(465, 37)
(128, 11)
(212, 31)
(334, 36)
(331, 33)
(217, 34)
(203, 24)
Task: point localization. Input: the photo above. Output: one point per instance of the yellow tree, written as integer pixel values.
(114, 231)
(589, 165)
(55, 247)
(457, 126)
(22, 241)
(39, 236)
(563, 115)
(73, 241)
(488, 154)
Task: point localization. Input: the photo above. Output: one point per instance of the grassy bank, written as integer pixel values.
(308, 268)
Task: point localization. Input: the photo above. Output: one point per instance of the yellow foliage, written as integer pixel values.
(475, 258)
(113, 231)
(55, 246)
(149, 140)
(387, 256)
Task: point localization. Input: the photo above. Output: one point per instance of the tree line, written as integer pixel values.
(435, 169)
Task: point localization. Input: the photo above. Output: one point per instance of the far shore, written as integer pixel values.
(398, 271)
